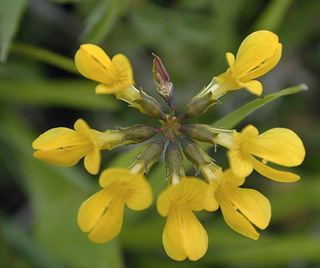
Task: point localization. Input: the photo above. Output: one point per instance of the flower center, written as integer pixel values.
(171, 127)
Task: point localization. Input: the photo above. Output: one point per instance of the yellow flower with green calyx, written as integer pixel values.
(101, 215)
(258, 54)
(65, 147)
(241, 207)
(183, 236)
(280, 146)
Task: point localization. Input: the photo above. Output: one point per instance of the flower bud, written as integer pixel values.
(149, 105)
(162, 80)
(174, 161)
(137, 134)
(194, 152)
(151, 153)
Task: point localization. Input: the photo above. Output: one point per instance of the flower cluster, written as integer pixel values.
(244, 210)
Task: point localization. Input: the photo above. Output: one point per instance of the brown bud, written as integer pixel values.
(162, 80)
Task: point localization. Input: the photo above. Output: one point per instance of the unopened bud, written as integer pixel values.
(200, 132)
(194, 152)
(137, 134)
(199, 105)
(149, 106)
(162, 80)
(174, 161)
(151, 153)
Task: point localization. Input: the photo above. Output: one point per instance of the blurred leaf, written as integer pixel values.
(44, 55)
(55, 195)
(232, 119)
(273, 15)
(10, 14)
(101, 20)
(73, 94)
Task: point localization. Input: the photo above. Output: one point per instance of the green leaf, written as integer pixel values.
(72, 94)
(232, 119)
(44, 55)
(10, 14)
(101, 20)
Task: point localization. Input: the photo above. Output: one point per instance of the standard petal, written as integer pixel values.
(93, 63)
(278, 145)
(184, 236)
(58, 138)
(91, 210)
(234, 219)
(240, 163)
(252, 204)
(92, 161)
(139, 193)
(62, 157)
(274, 174)
(111, 175)
(190, 191)
(109, 225)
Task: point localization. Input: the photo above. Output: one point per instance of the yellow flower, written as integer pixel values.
(258, 54)
(101, 215)
(65, 147)
(183, 236)
(277, 145)
(114, 75)
(240, 207)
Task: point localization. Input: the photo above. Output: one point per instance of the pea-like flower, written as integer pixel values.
(280, 146)
(65, 147)
(101, 215)
(258, 54)
(241, 207)
(183, 235)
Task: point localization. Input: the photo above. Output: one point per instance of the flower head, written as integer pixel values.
(101, 215)
(277, 145)
(241, 207)
(65, 147)
(258, 54)
(183, 235)
(114, 74)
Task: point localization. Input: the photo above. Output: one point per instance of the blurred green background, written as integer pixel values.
(40, 89)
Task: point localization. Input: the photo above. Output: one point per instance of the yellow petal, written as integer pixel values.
(274, 174)
(111, 175)
(109, 225)
(234, 219)
(93, 63)
(264, 67)
(81, 126)
(139, 194)
(278, 145)
(255, 49)
(252, 204)
(103, 89)
(253, 86)
(240, 163)
(91, 210)
(229, 177)
(230, 59)
(56, 138)
(92, 161)
(191, 193)
(211, 203)
(184, 236)
(123, 70)
(62, 157)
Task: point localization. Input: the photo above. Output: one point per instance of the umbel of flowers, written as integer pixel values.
(244, 210)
